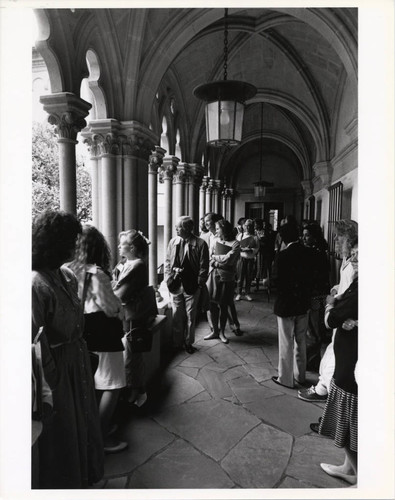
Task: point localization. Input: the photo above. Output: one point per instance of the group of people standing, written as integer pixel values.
(83, 318)
(82, 310)
(300, 277)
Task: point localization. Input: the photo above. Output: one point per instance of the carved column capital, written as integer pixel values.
(204, 184)
(155, 160)
(168, 168)
(322, 174)
(196, 172)
(212, 186)
(110, 136)
(67, 112)
(307, 187)
(180, 175)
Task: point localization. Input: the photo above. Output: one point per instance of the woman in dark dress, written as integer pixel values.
(70, 447)
(340, 418)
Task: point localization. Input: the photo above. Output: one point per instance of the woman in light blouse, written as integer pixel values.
(93, 258)
(222, 282)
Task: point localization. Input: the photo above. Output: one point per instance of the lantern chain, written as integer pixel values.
(226, 46)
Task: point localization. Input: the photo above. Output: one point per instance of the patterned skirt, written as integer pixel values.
(340, 418)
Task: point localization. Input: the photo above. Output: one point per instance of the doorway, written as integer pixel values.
(268, 211)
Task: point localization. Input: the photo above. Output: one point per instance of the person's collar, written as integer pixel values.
(292, 242)
(91, 268)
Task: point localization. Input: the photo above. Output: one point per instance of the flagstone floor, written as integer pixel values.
(215, 419)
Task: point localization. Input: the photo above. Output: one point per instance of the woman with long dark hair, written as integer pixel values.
(92, 268)
(70, 446)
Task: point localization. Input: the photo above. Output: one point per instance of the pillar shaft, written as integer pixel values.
(108, 199)
(95, 191)
(67, 175)
(130, 192)
(155, 160)
(169, 167)
(179, 186)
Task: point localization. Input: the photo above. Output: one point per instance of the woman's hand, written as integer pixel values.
(349, 324)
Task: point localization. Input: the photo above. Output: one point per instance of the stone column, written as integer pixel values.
(94, 167)
(229, 205)
(179, 181)
(154, 162)
(67, 112)
(218, 205)
(209, 191)
(202, 198)
(194, 179)
(224, 194)
(169, 167)
(137, 147)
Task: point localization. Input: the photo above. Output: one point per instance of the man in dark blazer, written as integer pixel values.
(294, 284)
(189, 254)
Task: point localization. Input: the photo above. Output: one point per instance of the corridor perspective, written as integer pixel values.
(216, 420)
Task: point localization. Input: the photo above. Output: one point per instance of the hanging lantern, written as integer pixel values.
(224, 104)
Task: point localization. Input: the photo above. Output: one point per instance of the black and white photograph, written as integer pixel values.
(183, 191)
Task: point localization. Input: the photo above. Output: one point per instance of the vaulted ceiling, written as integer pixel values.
(303, 62)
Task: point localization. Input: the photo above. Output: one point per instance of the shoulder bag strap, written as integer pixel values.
(87, 280)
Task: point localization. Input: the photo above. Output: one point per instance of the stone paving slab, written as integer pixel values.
(308, 453)
(224, 356)
(216, 367)
(203, 396)
(288, 413)
(252, 355)
(140, 448)
(215, 384)
(178, 388)
(247, 390)
(213, 427)
(191, 372)
(260, 371)
(259, 459)
(236, 372)
(197, 360)
(180, 466)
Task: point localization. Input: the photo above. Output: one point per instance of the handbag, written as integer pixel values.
(174, 281)
(101, 332)
(140, 339)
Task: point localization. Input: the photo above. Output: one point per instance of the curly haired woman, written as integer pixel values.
(70, 446)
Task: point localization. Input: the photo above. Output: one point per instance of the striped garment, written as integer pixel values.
(340, 418)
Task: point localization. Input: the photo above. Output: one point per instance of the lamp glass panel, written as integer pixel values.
(224, 120)
(259, 191)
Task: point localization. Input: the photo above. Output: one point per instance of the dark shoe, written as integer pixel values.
(315, 427)
(276, 381)
(211, 336)
(238, 332)
(190, 349)
(223, 338)
(122, 445)
(310, 395)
